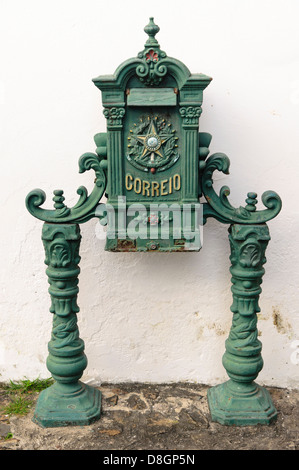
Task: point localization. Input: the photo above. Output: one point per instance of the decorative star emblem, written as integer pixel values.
(152, 143)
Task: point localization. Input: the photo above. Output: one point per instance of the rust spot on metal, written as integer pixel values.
(126, 245)
(179, 242)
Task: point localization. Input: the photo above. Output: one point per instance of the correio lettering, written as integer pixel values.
(153, 188)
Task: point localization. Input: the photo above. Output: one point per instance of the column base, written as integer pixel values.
(241, 405)
(68, 405)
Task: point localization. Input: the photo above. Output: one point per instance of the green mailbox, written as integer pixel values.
(153, 164)
(152, 104)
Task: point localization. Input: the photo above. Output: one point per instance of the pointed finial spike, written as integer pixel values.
(151, 29)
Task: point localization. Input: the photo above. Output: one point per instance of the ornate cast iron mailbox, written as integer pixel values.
(153, 162)
(152, 105)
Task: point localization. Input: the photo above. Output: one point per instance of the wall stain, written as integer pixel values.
(199, 332)
(210, 326)
(281, 324)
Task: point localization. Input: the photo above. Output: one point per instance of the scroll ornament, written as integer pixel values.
(219, 207)
(86, 206)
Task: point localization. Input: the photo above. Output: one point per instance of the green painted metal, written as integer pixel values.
(219, 207)
(151, 97)
(152, 104)
(153, 153)
(68, 400)
(241, 401)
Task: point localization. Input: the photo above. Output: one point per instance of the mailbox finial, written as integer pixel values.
(151, 29)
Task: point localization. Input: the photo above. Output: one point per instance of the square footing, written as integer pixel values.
(78, 407)
(242, 407)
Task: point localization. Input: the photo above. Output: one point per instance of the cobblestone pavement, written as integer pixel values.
(158, 417)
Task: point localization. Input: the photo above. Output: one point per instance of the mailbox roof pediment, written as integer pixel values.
(152, 66)
(175, 68)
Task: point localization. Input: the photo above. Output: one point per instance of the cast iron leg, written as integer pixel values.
(240, 400)
(68, 401)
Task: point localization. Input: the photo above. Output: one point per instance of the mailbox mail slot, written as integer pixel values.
(152, 97)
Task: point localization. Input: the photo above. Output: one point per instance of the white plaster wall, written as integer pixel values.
(147, 317)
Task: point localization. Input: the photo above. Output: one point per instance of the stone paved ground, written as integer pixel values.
(156, 417)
